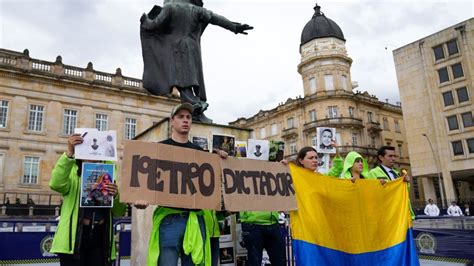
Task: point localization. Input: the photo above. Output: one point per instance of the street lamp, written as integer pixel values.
(441, 186)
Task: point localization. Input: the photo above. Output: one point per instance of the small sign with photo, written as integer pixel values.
(94, 180)
(258, 149)
(277, 149)
(97, 145)
(223, 142)
(240, 149)
(324, 138)
(201, 142)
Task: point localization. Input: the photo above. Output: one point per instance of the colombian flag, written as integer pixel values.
(343, 223)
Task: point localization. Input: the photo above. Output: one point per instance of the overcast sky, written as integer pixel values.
(243, 74)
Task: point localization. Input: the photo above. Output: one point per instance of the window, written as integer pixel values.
(338, 139)
(457, 70)
(385, 124)
(70, 119)
(312, 115)
(397, 126)
(274, 129)
(344, 82)
(3, 113)
(130, 127)
(438, 52)
(467, 119)
(329, 82)
(293, 149)
(453, 122)
(332, 111)
(462, 95)
(35, 122)
(457, 147)
(452, 47)
(30, 170)
(448, 98)
(2, 163)
(314, 141)
(400, 150)
(443, 75)
(369, 117)
(312, 85)
(101, 122)
(351, 111)
(470, 145)
(290, 122)
(354, 139)
(262, 133)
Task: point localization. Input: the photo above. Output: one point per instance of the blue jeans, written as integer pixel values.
(172, 230)
(257, 237)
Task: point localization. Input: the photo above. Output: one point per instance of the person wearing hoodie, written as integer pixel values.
(84, 236)
(355, 167)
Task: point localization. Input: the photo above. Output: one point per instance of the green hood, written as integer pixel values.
(349, 162)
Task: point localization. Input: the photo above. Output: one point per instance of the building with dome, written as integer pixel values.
(331, 99)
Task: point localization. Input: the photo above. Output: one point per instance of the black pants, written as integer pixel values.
(92, 251)
(257, 237)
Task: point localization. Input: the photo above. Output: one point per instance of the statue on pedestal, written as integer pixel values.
(171, 48)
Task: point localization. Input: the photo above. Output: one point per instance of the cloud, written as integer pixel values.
(243, 74)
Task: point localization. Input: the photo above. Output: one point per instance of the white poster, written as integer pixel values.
(258, 149)
(97, 145)
(324, 138)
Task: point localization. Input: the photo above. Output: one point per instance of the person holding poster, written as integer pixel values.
(84, 236)
(179, 232)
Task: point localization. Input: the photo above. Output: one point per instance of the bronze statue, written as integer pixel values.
(171, 48)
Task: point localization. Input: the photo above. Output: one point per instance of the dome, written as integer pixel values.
(320, 27)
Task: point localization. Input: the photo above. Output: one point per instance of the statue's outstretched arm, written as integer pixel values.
(223, 22)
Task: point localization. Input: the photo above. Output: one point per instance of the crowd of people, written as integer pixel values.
(84, 235)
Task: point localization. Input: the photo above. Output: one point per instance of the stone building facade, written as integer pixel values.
(362, 122)
(436, 80)
(42, 102)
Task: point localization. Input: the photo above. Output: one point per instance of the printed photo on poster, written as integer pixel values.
(258, 149)
(226, 255)
(223, 142)
(201, 142)
(97, 145)
(324, 138)
(94, 180)
(324, 161)
(240, 149)
(277, 149)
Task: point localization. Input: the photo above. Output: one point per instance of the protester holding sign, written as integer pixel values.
(84, 236)
(179, 232)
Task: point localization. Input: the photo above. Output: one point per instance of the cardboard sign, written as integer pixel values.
(255, 185)
(170, 176)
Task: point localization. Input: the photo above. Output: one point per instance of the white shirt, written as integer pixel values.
(431, 210)
(454, 211)
(389, 171)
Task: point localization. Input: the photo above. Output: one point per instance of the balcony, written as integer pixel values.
(289, 133)
(373, 127)
(338, 122)
(367, 152)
